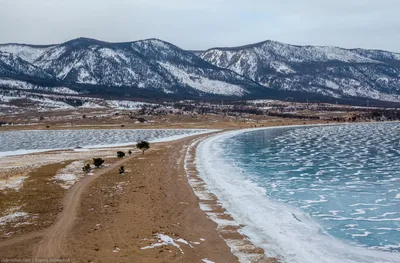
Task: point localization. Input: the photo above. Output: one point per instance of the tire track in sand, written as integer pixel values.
(53, 243)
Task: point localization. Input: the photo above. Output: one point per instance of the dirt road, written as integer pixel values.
(53, 243)
(122, 219)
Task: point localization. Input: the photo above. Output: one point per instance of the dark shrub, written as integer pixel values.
(98, 162)
(87, 168)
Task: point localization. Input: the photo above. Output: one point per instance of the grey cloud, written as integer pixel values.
(204, 24)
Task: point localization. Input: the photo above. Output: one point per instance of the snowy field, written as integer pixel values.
(22, 142)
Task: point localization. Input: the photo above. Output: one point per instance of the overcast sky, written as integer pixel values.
(202, 24)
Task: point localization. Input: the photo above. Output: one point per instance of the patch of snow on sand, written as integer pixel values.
(164, 240)
(69, 175)
(207, 261)
(181, 240)
(12, 217)
(12, 183)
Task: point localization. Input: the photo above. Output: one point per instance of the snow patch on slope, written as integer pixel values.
(109, 53)
(85, 77)
(22, 85)
(27, 53)
(204, 84)
(281, 67)
(125, 104)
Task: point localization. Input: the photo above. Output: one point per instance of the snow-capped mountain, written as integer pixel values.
(329, 71)
(140, 68)
(19, 74)
(156, 69)
(12, 66)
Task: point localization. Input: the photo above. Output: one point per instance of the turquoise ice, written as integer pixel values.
(343, 178)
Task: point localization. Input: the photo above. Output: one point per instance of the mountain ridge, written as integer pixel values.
(294, 45)
(329, 71)
(137, 67)
(267, 69)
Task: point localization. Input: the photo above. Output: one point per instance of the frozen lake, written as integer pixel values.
(312, 194)
(19, 142)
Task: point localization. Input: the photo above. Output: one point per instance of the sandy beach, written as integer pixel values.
(109, 217)
(155, 212)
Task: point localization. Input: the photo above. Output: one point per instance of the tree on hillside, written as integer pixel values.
(121, 170)
(130, 152)
(120, 154)
(143, 146)
(98, 162)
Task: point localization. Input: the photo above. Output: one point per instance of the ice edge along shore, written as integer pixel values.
(282, 231)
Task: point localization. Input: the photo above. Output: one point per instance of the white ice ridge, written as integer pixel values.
(279, 229)
(204, 195)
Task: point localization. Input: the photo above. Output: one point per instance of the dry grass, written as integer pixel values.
(39, 196)
(107, 120)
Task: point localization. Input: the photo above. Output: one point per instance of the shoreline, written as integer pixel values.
(103, 146)
(229, 229)
(250, 228)
(149, 214)
(158, 181)
(171, 138)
